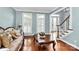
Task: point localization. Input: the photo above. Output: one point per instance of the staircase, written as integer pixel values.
(63, 29)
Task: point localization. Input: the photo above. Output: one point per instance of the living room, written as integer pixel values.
(29, 22)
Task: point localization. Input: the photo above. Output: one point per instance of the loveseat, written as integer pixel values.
(10, 39)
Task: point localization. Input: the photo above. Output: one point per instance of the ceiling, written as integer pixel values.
(36, 9)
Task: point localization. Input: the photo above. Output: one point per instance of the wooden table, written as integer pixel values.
(47, 41)
(42, 43)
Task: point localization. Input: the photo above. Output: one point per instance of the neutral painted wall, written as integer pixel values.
(34, 23)
(73, 38)
(7, 17)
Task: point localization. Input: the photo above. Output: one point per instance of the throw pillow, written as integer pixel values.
(5, 41)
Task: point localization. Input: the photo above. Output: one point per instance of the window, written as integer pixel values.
(27, 23)
(40, 23)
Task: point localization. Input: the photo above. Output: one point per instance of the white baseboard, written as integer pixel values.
(70, 44)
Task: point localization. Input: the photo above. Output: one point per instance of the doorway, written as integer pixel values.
(54, 21)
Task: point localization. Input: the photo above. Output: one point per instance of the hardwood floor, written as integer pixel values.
(30, 45)
(62, 46)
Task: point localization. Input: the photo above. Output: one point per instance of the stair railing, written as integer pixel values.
(63, 27)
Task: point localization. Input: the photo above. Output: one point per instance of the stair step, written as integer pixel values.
(70, 29)
(66, 34)
(63, 33)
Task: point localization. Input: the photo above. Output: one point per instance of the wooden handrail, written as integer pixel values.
(64, 20)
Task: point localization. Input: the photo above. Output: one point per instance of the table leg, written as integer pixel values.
(54, 46)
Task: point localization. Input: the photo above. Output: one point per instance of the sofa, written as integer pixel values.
(10, 39)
